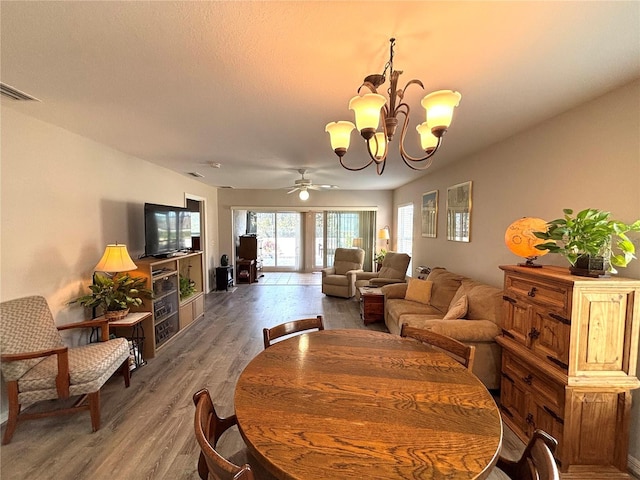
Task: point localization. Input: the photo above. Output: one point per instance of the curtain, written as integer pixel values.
(368, 236)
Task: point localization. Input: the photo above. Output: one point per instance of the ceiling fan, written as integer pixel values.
(305, 184)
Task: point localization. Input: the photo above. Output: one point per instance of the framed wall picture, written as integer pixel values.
(430, 214)
(459, 212)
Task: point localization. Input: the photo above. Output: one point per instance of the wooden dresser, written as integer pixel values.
(570, 348)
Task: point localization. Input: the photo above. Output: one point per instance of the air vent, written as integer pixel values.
(15, 94)
(196, 174)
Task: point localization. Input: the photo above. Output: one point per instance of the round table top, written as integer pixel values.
(360, 404)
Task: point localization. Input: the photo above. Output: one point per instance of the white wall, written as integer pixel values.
(588, 157)
(63, 199)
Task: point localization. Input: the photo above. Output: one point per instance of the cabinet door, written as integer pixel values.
(517, 321)
(550, 337)
(513, 400)
(545, 417)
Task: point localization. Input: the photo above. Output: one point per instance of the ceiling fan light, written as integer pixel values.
(439, 106)
(304, 194)
(367, 111)
(340, 134)
(428, 140)
(378, 145)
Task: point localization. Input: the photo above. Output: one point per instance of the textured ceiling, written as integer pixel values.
(251, 85)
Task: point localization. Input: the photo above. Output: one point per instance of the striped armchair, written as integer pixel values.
(36, 365)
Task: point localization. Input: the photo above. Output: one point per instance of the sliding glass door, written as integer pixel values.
(279, 234)
(338, 229)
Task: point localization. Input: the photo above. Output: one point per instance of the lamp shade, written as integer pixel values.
(439, 106)
(367, 110)
(340, 134)
(383, 234)
(428, 140)
(520, 239)
(377, 145)
(115, 259)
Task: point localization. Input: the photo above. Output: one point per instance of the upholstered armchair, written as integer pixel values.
(393, 270)
(340, 280)
(36, 364)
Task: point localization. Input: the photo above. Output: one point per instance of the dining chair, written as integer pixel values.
(465, 354)
(209, 427)
(536, 462)
(37, 365)
(288, 328)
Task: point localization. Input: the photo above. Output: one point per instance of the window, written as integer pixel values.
(405, 232)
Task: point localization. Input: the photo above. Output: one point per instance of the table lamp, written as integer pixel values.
(383, 234)
(115, 259)
(520, 239)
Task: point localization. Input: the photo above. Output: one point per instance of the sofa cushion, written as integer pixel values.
(396, 307)
(419, 290)
(445, 285)
(485, 302)
(462, 330)
(457, 309)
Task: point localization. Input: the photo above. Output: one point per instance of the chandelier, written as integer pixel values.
(372, 107)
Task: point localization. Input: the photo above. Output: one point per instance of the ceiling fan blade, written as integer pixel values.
(314, 187)
(292, 190)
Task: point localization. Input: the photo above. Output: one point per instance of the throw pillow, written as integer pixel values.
(419, 290)
(458, 309)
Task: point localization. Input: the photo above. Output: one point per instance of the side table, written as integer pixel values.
(133, 321)
(371, 304)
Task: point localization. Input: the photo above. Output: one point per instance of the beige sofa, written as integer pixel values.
(478, 327)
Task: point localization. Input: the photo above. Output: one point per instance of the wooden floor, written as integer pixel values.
(147, 430)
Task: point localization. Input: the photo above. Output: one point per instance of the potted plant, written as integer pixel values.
(379, 258)
(590, 240)
(187, 287)
(115, 294)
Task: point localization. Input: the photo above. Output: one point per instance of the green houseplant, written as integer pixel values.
(115, 294)
(590, 234)
(187, 287)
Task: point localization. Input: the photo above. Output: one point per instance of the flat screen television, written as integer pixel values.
(166, 229)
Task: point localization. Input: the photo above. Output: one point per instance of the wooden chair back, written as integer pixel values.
(208, 429)
(288, 328)
(536, 463)
(465, 354)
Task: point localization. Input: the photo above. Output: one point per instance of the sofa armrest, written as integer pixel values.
(394, 290)
(353, 274)
(465, 330)
(328, 271)
(366, 275)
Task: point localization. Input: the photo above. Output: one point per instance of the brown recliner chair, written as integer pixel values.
(393, 270)
(340, 280)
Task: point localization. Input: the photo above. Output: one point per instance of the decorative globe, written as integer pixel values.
(520, 239)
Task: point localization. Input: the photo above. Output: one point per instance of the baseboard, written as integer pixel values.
(633, 465)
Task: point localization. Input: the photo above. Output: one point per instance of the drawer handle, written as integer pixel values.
(529, 420)
(553, 414)
(506, 410)
(558, 362)
(507, 377)
(532, 292)
(508, 299)
(507, 333)
(560, 319)
(528, 379)
(534, 333)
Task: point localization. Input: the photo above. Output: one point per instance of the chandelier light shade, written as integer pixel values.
(340, 133)
(373, 109)
(115, 259)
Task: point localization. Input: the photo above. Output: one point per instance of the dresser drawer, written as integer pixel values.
(538, 383)
(551, 295)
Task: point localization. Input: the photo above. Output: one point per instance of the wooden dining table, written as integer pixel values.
(342, 404)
